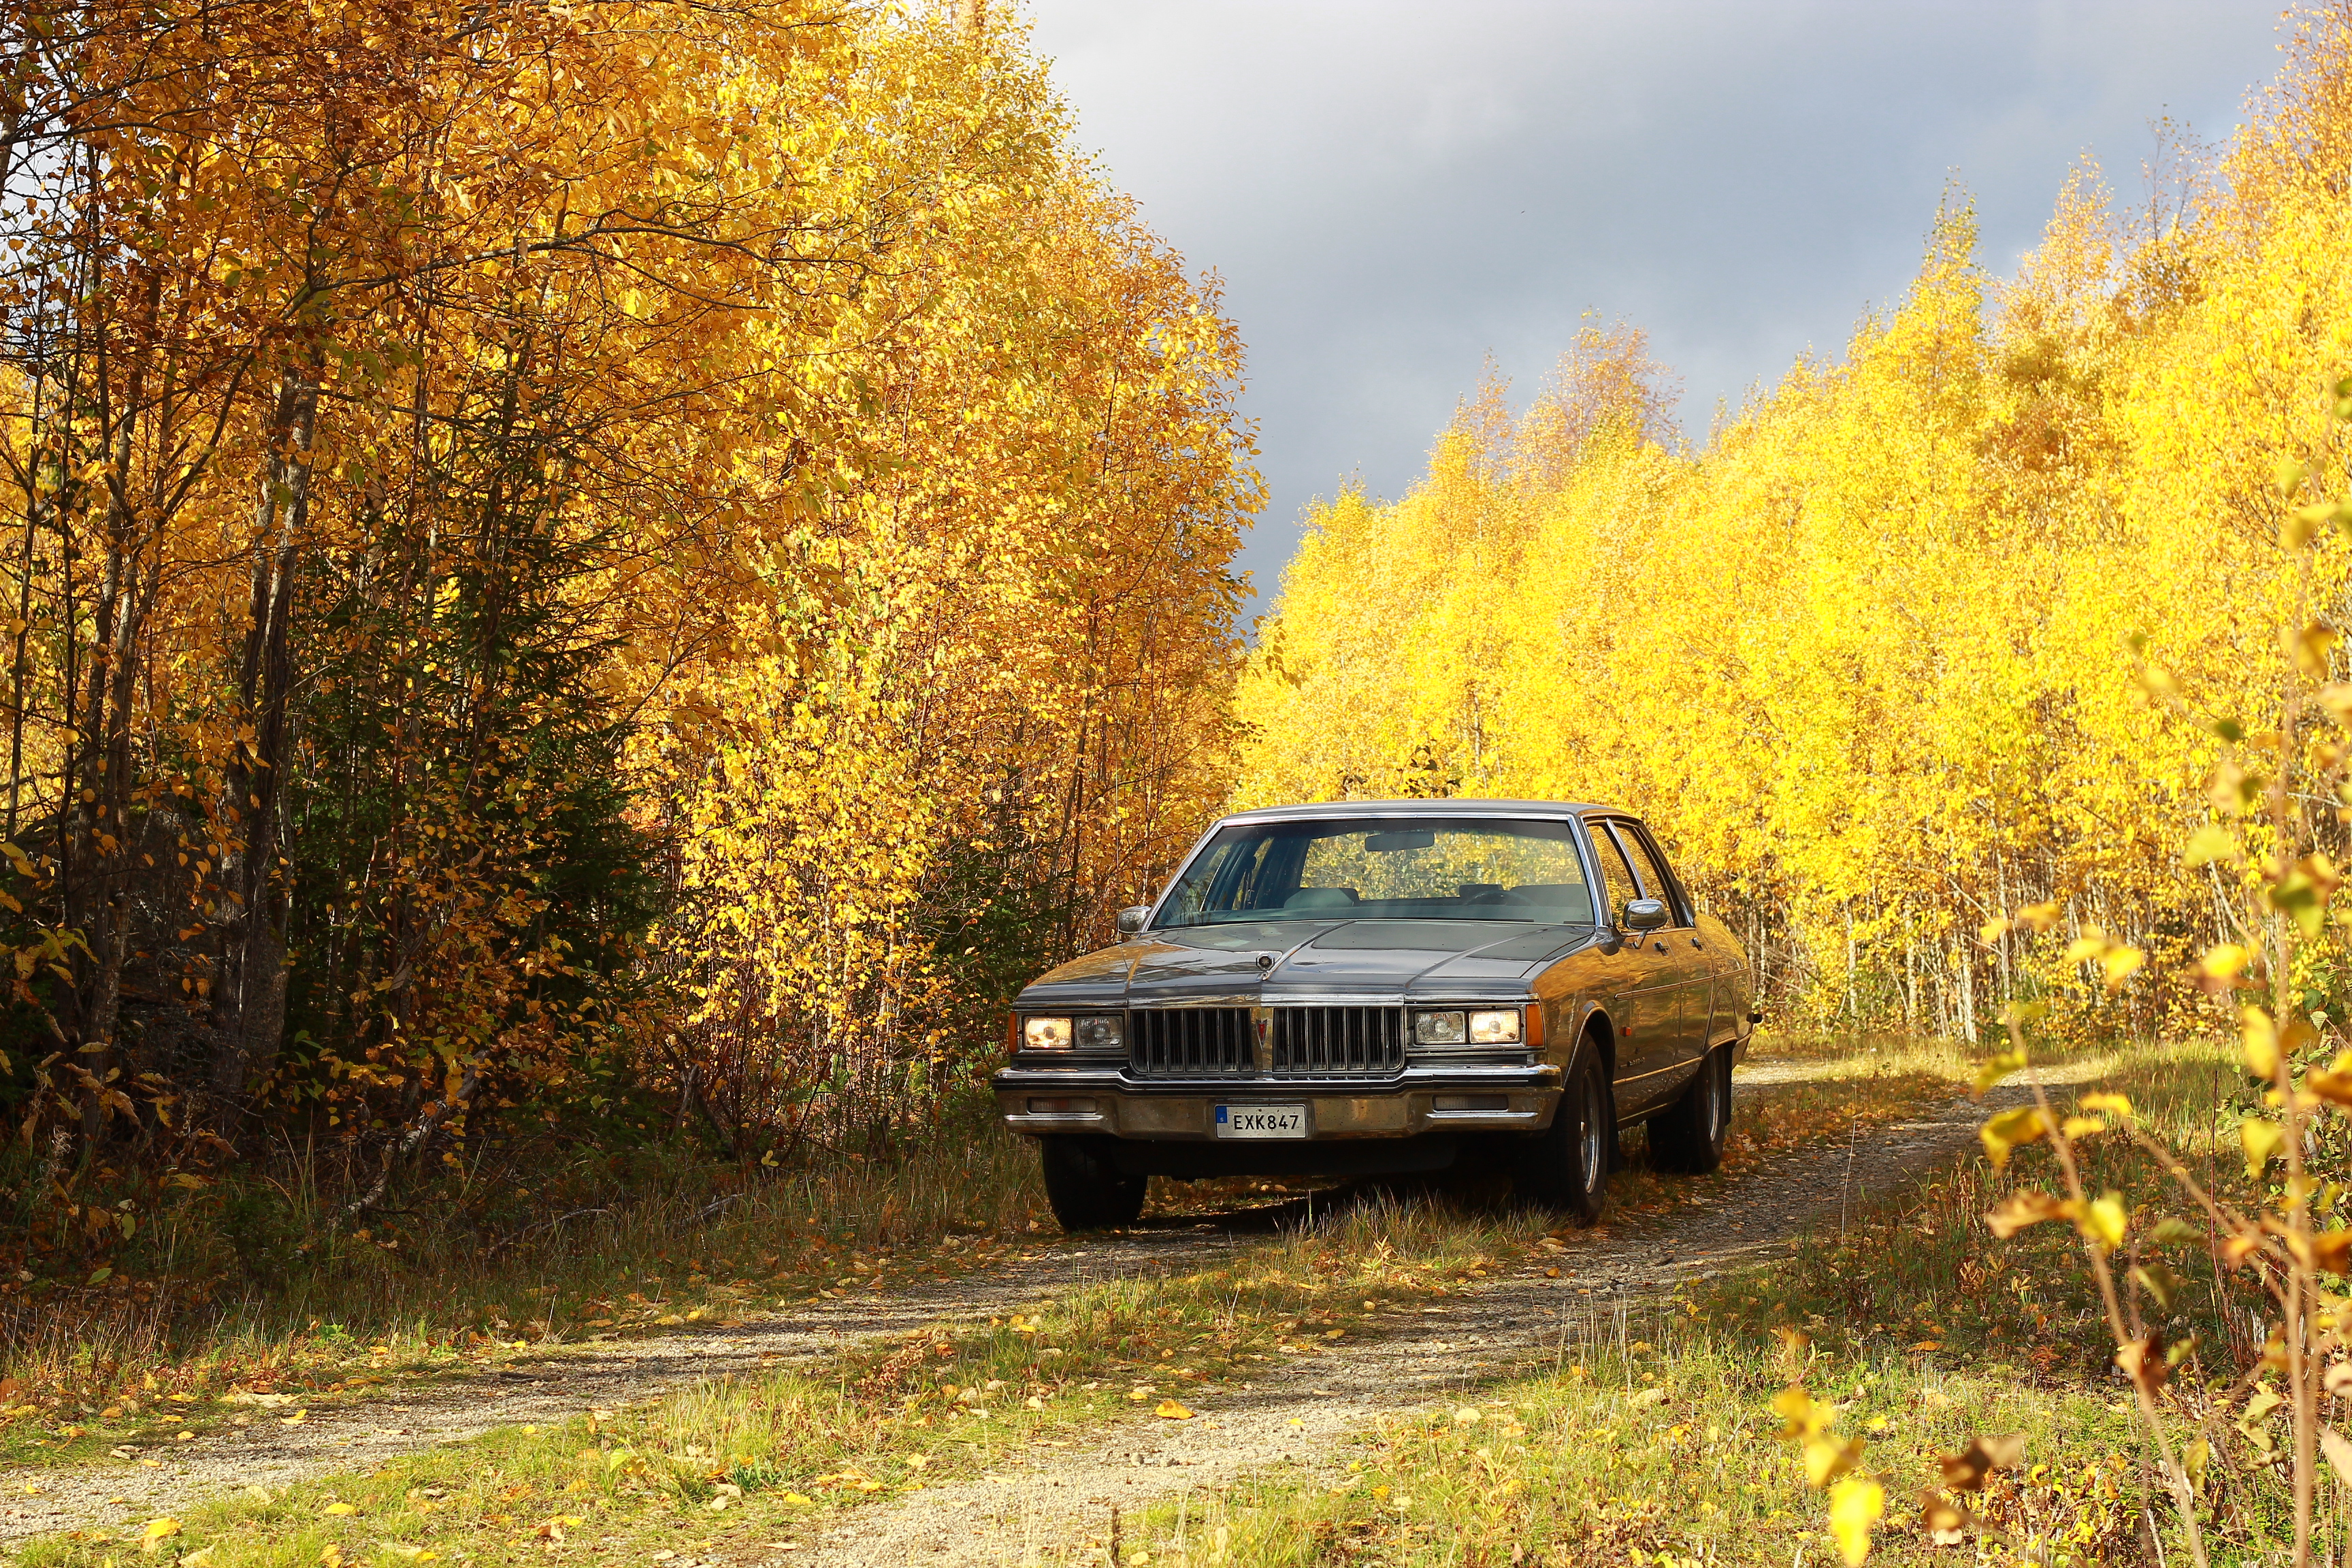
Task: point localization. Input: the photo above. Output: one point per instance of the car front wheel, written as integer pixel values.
(1086, 1191)
(1567, 1168)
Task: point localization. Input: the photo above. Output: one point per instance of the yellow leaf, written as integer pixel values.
(2102, 1222)
(2226, 962)
(2258, 1039)
(2212, 843)
(2333, 1082)
(2024, 1209)
(2263, 1140)
(341, 1509)
(1826, 1458)
(1855, 1506)
(2107, 1100)
(1805, 1417)
(2009, 1130)
(1999, 1067)
(1170, 1411)
(158, 1531)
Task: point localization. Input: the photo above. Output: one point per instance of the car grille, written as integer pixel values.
(1308, 1042)
(1190, 1042)
(1339, 1042)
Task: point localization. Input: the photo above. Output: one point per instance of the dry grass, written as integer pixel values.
(1652, 1438)
(86, 1366)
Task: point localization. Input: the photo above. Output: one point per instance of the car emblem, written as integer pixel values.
(1265, 962)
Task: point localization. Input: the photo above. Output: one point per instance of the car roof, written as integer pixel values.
(1472, 808)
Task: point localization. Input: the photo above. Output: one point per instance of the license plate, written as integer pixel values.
(1260, 1121)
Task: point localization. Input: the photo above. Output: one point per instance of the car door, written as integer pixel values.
(1648, 1003)
(1684, 972)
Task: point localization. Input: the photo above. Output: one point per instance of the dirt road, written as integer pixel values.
(1292, 1412)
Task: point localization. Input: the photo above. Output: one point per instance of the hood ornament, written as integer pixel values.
(1264, 963)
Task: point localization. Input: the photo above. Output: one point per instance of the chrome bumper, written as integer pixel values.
(1420, 1100)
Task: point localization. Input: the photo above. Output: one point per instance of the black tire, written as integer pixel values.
(1687, 1136)
(1086, 1191)
(1566, 1169)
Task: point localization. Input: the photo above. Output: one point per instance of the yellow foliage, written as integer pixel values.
(1897, 663)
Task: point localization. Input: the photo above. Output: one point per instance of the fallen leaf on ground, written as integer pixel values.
(1170, 1411)
(158, 1531)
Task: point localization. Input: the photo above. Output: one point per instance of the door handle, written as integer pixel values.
(1662, 947)
(1696, 943)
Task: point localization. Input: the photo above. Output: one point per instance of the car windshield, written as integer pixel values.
(1422, 868)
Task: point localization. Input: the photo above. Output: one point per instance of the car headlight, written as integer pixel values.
(1083, 1032)
(1496, 1028)
(1045, 1034)
(1439, 1028)
(1487, 1027)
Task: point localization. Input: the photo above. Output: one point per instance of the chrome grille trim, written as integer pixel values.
(1190, 1042)
(1338, 1042)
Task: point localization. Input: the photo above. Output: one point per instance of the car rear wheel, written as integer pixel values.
(1086, 1191)
(1687, 1136)
(1566, 1169)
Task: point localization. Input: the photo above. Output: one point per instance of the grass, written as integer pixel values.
(1652, 1437)
(336, 1315)
(779, 1453)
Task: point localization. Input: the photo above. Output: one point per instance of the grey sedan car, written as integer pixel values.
(1387, 987)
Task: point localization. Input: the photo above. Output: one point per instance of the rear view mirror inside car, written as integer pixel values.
(1407, 838)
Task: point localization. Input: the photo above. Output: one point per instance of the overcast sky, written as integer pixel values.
(1393, 189)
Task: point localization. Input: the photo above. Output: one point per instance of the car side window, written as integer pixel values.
(1614, 870)
(1645, 863)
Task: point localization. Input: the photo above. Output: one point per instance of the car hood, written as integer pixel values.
(1371, 960)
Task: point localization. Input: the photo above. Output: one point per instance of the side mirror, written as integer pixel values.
(1645, 914)
(1131, 918)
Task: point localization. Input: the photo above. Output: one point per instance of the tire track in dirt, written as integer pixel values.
(1292, 1412)
(1043, 1506)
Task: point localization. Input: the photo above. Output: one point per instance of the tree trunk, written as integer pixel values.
(250, 999)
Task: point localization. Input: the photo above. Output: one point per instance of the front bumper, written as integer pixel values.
(1436, 1099)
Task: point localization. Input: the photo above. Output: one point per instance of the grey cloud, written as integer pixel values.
(1393, 190)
